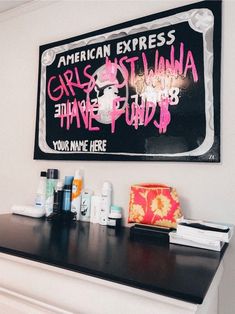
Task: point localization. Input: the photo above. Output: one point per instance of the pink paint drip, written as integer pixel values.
(165, 116)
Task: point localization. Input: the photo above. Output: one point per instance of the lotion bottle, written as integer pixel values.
(76, 193)
(41, 191)
(106, 200)
(95, 208)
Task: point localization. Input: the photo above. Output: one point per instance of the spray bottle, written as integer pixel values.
(67, 193)
(76, 193)
(58, 197)
(52, 176)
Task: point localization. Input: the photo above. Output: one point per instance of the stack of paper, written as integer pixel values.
(206, 235)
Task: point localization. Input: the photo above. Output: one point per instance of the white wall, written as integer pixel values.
(206, 190)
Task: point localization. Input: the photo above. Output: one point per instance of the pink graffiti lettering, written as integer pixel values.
(190, 64)
(116, 112)
(110, 71)
(165, 116)
(149, 112)
(68, 83)
(173, 66)
(80, 113)
(142, 114)
(132, 62)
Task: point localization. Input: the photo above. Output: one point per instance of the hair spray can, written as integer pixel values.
(67, 193)
(76, 193)
(52, 176)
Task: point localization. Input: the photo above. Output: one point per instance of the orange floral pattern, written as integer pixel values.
(160, 205)
(154, 204)
(137, 213)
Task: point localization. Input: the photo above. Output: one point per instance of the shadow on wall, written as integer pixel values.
(185, 206)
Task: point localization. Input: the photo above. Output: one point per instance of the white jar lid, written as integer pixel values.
(115, 215)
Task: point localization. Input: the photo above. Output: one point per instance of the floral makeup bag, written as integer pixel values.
(154, 204)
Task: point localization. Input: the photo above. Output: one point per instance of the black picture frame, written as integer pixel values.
(147, 89)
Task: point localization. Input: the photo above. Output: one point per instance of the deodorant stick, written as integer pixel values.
(106, 200)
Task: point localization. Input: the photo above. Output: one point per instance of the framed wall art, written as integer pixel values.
(146, 89)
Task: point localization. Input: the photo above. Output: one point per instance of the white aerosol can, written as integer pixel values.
(76, 193)
(106, 201)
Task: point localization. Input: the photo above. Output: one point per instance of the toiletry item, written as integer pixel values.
(106, 200)
(52, 177)
(161, 207)
(76, 193)
(41, 191)
(24, 210)
(67, 193)
(85, 205)
(95, 208)
(115, 217)
(58, 197)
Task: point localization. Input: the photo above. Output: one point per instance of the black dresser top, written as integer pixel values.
(171, 270)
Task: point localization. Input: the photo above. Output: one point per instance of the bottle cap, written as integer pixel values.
(116, 212)
(59, 185)
(52, 173)
(68, 180)
(78, 174)
(107, 185)
(115, 216)
(116, 209)
(43, 174)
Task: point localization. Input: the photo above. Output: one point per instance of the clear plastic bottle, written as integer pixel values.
(41, 191)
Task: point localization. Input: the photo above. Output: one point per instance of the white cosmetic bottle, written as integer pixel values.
(85, 205)
(106, 201)
(95, 208)
(41, 191)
